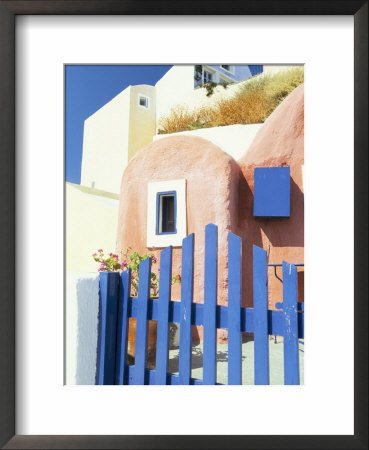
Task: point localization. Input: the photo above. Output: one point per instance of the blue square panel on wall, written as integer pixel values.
(272, 192)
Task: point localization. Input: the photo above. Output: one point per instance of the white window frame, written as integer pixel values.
(148, 101)
(174, 239)
(210, 72)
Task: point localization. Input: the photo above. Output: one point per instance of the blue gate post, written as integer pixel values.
(290, 338)
(108, 312)
(261, 338)
(210, 304)
(234, 309)
(163, 316)
(144, 272)
(185, 331)
(122, 331)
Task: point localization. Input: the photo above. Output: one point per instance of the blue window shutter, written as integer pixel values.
(272, 192)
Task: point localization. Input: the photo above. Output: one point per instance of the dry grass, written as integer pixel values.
(276, 87)
(251, 108)
(181, 118)
(254, 102)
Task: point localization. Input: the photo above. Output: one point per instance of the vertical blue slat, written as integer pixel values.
(142, 323)
(210, 303)
(261, 344)
(122, 333)
(290, 339)
(234, 309)
(109, 287)
(163, 316)
(185, 332)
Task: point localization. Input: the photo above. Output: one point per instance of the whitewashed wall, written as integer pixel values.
(82, 312)
(105, 144)
(91, 223)
(173, 88)
(272, 69)
(232, 139)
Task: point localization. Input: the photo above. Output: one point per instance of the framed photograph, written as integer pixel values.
(181, 163)
(40, 42)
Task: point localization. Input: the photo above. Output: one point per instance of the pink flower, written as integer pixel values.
(154, 259)
(94, 254)
(100, 250)
(124, 263)
(110, 254)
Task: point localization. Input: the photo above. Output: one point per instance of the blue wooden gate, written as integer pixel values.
(116, 306)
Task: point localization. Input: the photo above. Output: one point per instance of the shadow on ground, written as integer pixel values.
(276, 369)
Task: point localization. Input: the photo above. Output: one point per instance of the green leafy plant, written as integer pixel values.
(108, 263)
(130, 260)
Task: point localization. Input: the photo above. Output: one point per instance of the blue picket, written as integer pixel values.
(210, 304)
(234, 310)
(260, 289)
(122, 332)
(109, 285)
(290, 338)
(185, 332)
(163, 316)
(142, 323)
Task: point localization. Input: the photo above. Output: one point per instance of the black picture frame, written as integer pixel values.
(8, 11)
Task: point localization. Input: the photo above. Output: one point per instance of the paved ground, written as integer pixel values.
(275, 362)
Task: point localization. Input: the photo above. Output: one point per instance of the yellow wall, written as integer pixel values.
(91, 223)
(142, 121)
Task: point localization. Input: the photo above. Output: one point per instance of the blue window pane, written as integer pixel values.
(255, 69)
(166, 212)
(208, 77)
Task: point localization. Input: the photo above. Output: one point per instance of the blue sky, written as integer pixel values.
(88, 88)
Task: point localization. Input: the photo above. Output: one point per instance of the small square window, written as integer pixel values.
(166, 211)
(143, 101)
